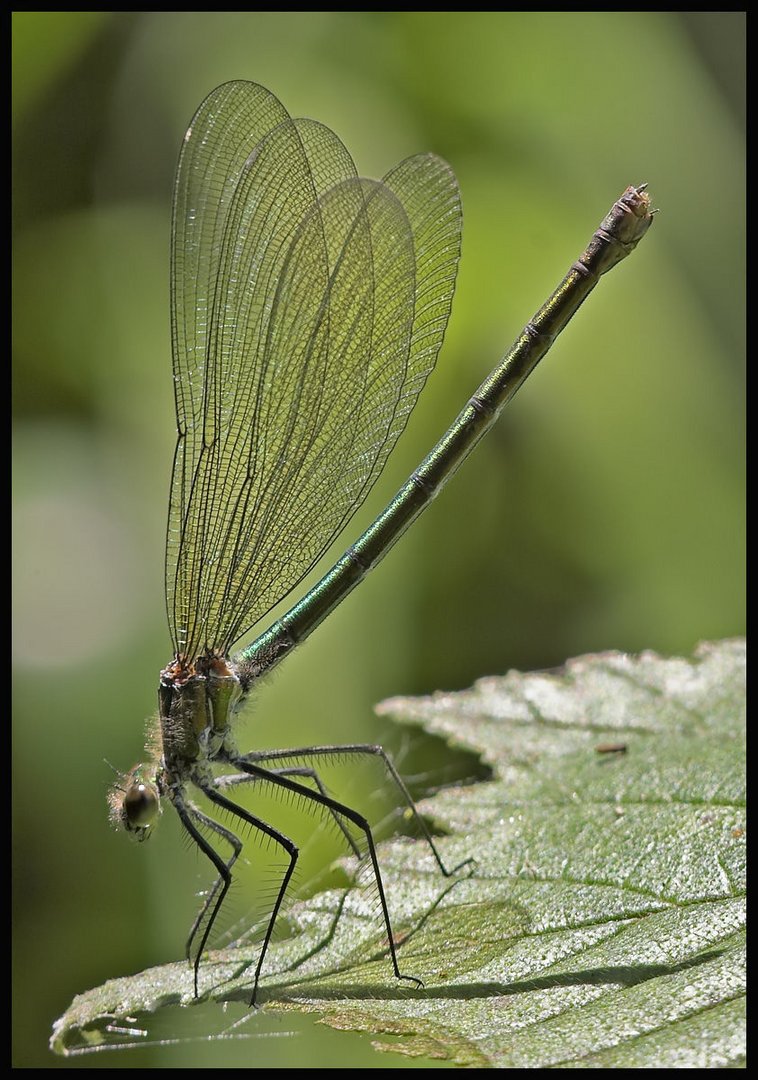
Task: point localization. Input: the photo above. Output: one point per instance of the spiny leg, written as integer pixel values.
(295, 770)
(258, 757)
(278, 838)
(352, 815)
(224, 876)
(236, 845)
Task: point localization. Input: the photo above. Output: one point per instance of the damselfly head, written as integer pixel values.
(135, 802)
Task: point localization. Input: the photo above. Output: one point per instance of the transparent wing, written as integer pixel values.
(308, 309)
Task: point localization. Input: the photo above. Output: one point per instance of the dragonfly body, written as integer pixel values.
(308, 307)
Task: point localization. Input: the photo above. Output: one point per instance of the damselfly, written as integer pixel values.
(308, 306)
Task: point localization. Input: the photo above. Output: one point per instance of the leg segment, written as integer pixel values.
(263, 756)
(295, 770)
(357, 819)
(236, 845)
(278, 838)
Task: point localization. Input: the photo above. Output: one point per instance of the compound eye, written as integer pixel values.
(141, 805)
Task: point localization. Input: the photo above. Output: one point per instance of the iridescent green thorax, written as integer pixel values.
(196, 701)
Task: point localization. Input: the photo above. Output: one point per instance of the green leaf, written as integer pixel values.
(603, 925)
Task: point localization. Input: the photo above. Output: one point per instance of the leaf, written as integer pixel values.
(603, 925)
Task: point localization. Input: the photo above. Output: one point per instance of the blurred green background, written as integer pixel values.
(604, 512)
